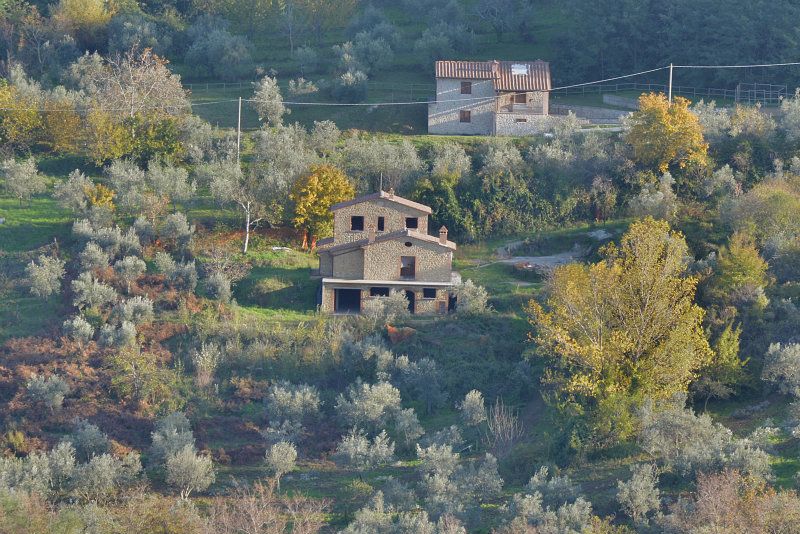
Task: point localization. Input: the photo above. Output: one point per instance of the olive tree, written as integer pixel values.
(88, 440)
(368, 405)
(357, 452)
(232, 186)
(188, 471)
(268, 102)
(639, 495)
(49, 391)
(21, 179)
(172, 434)
(93, 257)
(473, 409)
(280, 459)
(78, 329)
(91, 293)
(782, 368)
(129, 269)
(44, 276)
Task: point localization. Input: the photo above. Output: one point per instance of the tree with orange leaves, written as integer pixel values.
(313, 195)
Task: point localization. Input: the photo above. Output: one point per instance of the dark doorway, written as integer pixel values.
(411, 297)
(452, 302)
(347, 300)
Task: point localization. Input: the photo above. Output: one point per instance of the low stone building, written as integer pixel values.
(490, 98)
(381, 245)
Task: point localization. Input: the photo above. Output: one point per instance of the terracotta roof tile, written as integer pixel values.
(507, 75)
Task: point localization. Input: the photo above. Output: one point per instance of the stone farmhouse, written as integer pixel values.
(490, 98)
(380, 245)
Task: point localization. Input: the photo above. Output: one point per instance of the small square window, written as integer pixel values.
(466, 88)
(465, 115)
(429, 292)
(380, 224)
(412, 222)
(379, 292)
(357, 223)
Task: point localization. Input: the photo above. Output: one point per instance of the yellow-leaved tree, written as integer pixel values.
(623, 329)
(665, 135)
(313, 195)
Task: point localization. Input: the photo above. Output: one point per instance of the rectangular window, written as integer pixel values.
(520, 120)
(408, 267)
(465, 115)
(520, 98)
(412, 222)
(466, 88)
(357, 223)
(380, 224)
(379, 292)
(429, 292)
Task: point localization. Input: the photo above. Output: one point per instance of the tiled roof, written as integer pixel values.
(507, 75)
(385, 196)
(391, 236)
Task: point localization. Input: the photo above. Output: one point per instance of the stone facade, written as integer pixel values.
(510, 123)
(360, 265)
(444, 114)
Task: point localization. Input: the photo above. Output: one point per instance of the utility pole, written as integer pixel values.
(239, 132)
(670, 84)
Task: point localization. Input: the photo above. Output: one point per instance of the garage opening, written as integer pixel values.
(347, 300)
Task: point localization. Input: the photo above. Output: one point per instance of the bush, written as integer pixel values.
(101, 479)
(217, 53)
(129, 269)
(182, 276)
(21, 180)
(268, 102)
(177, 231)
(206, 360)
(367, 405)
(45, 276)
(656, 200)
(297, 404)
(49, 391)
(307, 59)
(122, 336)
(471, 299)
(350, 87)
(218, 287)
(554, 489)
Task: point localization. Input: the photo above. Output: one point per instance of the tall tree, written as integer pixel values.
(313, 196)
(626, 327)
(664, 135)
(230, 185)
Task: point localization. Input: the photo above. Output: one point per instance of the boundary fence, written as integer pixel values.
(745, 93)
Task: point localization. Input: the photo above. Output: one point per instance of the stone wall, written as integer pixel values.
(382, 260)
(349, 264)
(521, 124)
(325, 264)
(394, 215)
(443, 117)
(423, 306)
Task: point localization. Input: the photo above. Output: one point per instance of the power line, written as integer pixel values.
(735, 66)
(609, 79)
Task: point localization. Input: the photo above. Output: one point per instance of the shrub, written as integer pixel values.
(554, 489)
(268, 102)
(72, 193)
(49, 391)
(101, 479)
(407, 427)
(181, 276)
(218, 287)
(472, 299)
(307, 58)
(21, 180)
(294, 403)
(216, 52)
(350, 87)
(656, 200)
(188, 471)
(206, 360)
(177, 231)
(45, 276)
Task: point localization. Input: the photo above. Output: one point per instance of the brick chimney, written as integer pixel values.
(443, 235)
(391, 192)
(370, 233)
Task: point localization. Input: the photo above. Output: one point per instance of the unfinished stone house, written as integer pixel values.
(381, 245)
(490, 98)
